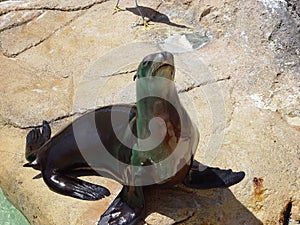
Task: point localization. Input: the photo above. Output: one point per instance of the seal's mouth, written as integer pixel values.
(165, 70)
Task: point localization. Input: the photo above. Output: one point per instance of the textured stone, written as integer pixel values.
(237, 72)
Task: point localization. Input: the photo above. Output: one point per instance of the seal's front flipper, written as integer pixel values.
(70, 186)
(212, 177)
(35, 139)
(121, 212)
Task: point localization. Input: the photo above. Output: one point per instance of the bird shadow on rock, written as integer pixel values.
(182, 205)
(154, 16)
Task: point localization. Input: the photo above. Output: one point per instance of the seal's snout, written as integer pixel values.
(166, 57)
(161, 57)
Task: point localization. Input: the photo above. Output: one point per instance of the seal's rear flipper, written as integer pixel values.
(211, 177)
(70, 186)
(35, 139)
(119, 212)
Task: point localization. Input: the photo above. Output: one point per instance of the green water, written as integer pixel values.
(9, 215)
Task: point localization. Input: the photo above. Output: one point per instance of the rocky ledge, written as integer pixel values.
(237, 72)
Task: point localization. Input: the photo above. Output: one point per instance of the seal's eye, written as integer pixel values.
(145, 63)
(134, 77)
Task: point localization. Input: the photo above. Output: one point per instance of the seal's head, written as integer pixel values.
(155, 77)
(157, 65)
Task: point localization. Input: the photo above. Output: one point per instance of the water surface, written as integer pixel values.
(9, 215)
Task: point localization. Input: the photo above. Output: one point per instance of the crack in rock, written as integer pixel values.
(8, 122)
(32, 45)
(121, 73)
(51, 8)
(84, 9)
(20, 23)
(202, 84)
(184, 220)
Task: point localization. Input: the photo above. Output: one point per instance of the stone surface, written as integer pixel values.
(237, 71)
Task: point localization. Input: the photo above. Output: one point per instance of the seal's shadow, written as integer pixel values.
(154, 16)
(190, 206)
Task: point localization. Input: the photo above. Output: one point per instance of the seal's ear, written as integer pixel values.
(134, 77)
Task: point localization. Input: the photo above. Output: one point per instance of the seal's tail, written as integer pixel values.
(35, 139)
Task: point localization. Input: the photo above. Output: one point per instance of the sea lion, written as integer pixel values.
(174, 136)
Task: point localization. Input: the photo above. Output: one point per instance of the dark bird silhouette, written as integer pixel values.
(117, 8)
(153, 15)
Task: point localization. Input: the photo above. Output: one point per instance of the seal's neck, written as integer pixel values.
(147, 109)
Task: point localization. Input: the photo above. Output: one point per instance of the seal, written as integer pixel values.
(170, 159)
